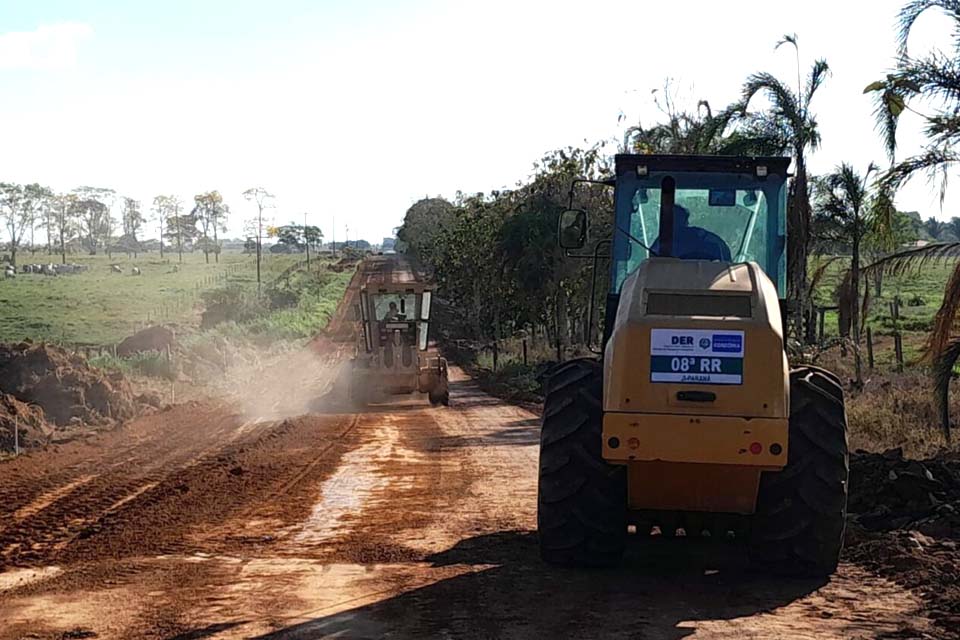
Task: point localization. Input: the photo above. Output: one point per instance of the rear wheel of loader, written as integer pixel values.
(581, 499)
(801, 510)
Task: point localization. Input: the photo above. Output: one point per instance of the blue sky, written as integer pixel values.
(355, 110)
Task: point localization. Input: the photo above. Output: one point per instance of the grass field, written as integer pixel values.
(102, 307)
(920, 294)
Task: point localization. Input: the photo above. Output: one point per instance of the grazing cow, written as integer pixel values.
(135, 271)
(9, 273)
(115, 268)
(49, 269)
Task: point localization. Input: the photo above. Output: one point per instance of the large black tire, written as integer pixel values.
(801, 510)
(581, 499)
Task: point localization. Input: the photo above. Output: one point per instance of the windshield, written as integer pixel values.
(730, 217)
(394, 306)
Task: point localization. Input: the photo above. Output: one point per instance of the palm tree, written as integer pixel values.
(846, 210)
(931, 82)
(790, 114)
(702, 132)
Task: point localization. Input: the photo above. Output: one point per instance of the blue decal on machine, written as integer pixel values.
(728, 343)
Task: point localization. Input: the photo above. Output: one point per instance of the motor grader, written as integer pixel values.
(692, 423)
(393, 354)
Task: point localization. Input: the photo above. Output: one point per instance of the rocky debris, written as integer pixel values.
(67, 388)
(904, 524)
(889, 492)
(156, 338)
(28, 419)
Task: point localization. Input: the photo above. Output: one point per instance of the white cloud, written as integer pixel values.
(48, 47)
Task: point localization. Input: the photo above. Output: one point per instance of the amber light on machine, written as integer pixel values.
(756, 448)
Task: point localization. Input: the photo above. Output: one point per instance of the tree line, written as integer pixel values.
(495, 256)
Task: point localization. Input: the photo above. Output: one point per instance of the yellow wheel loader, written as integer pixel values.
(693, 423)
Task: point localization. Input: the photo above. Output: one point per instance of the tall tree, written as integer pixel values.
(11, 211)
(92, 210)
(181, 229)
(790, 112)
(132, 220)
(211, 212)
(846, 209)
(263, 199)
(165, 207)
(929, 87)
(65, 214)
(20, 208)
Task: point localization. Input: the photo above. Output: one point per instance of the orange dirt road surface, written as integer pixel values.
(271, 514)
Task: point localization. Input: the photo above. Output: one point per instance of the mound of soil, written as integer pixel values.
(157, 338)
(29, 420)
(64, 385)
(888, 492)
(905, 525)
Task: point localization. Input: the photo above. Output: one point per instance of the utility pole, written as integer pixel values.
(334, 240)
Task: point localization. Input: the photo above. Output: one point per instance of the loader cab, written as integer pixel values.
(717, 209)
(707, 208)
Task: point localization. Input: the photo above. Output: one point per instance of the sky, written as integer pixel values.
(352, 111)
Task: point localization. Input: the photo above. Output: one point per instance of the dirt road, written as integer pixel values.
(267, 516)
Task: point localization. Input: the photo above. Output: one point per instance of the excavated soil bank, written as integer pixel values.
(62, 384)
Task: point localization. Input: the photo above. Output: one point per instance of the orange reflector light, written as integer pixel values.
(756, 448)
(633, 443)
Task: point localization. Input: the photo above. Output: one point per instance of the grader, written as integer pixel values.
(393, 354)
(693, 423)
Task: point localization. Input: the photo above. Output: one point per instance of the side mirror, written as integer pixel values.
(572, 229)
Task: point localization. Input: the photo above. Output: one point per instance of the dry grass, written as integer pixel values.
(893, 409)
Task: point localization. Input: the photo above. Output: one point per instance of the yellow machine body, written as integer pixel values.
(696, 385)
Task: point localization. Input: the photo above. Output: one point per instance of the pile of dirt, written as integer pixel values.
(888, 492)
(67, 388)
(905, 525)
(31, 424)
(156, 338)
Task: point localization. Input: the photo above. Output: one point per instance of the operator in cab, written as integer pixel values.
(392, 313)
(694, 243)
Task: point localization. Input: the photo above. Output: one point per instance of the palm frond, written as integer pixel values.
(909, 14)
(942, 374)
(881, 216)
(788, 38)
(911, 260)
(818, 273)
(935, 162)
(782, 99)
(945, 320)
(818, 73)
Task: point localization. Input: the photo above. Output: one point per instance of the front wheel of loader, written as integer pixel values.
(801, 510)
(581, 499)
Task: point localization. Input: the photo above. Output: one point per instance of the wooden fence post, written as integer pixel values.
(524, 352)
(898, 349)
(496, 354)
(870, 348)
